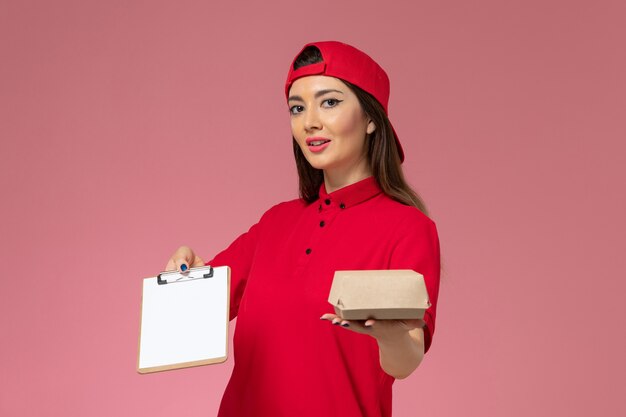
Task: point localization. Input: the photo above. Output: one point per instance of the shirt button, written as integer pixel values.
(327, 201)
(308, 251)
(322, 223)
(342, 206)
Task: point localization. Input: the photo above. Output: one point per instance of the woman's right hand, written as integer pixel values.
(183, 259)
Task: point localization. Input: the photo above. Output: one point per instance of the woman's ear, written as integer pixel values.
(371, 127)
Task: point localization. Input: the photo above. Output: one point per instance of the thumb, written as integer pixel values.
(183, 259)
(183, 264)
(415, 323)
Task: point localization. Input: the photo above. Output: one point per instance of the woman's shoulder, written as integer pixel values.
(402, 213)
(284, 208)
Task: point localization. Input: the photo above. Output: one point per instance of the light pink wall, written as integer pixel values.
(129, 128)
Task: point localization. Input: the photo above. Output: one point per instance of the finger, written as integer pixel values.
(414, 323)
(338, 321)
(328, 316)
(183, 258)
(369, 323)
(171, 265)
(195, 262)
(194, 259)
(182, 265)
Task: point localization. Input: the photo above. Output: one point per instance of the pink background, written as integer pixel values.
(130, 128)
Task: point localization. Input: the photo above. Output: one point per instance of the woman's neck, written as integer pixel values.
(334, 180)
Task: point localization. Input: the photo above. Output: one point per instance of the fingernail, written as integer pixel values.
(183, 267)
(335, 323)
(345, 324)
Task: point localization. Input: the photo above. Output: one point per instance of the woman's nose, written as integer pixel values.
(312, 120)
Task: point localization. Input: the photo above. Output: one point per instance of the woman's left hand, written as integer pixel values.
(381, 330)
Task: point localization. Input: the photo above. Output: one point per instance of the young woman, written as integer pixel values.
(355, 212)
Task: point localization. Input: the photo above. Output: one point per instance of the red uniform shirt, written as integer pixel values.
(283, 267)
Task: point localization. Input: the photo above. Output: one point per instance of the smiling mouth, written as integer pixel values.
(318, 142)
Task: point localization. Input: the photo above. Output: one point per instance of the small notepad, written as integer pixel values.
(184, 319)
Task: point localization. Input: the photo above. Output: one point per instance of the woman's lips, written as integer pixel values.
(317, 144)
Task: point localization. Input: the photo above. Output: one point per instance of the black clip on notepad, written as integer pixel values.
(200, 272)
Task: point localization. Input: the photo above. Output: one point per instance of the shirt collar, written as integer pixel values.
(352, 194)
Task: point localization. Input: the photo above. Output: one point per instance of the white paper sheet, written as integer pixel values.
(184, 323)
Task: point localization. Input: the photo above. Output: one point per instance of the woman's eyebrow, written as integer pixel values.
(317, 95)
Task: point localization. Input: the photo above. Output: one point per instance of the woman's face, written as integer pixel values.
(329, 125)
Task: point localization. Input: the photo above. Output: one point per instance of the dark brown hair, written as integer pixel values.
(382, 153)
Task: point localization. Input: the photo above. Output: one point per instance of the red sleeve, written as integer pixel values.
(417, 248)
(238, 256)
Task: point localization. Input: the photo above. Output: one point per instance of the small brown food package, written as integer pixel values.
(379, 294)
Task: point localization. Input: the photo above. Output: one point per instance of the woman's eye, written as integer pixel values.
(295, 109)
(331, 102)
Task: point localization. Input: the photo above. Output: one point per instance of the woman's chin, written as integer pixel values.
(317, 163)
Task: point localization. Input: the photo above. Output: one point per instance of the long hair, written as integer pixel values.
(382, 153)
